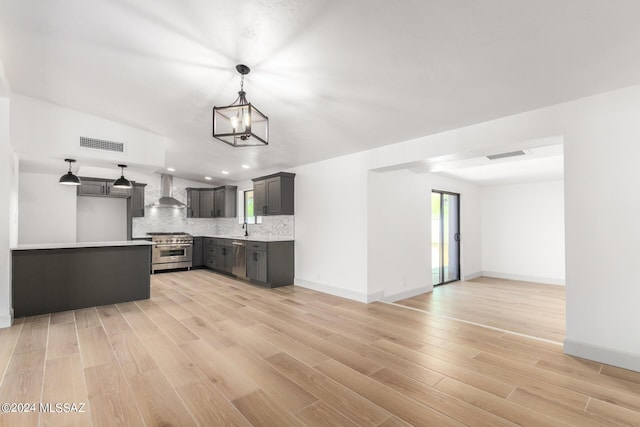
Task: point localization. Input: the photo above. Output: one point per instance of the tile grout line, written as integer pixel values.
(44, 366)
(175, 390)
(84, 377)
(473, 323)
(115, 356)
(13, 351)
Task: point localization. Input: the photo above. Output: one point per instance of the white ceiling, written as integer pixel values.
(334, 76)
(537, 164)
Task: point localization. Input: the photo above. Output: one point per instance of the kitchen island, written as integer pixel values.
(48, 278)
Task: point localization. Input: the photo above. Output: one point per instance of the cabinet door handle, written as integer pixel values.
(264, 209)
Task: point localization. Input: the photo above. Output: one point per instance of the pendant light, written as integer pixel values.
(241, 124)
(122, 182)
(69, 178)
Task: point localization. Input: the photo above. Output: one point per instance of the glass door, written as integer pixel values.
(445, 237)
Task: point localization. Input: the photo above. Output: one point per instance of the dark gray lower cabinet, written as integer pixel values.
(257, 266)
(197, 257)
(209, 254)
(224, 258)
(270, 263)
(52, 280)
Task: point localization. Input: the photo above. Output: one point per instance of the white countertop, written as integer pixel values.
(80, 245)
(247, 238)
(251, 238)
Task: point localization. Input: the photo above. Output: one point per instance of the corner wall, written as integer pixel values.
(399, 231)
(47, 210)
(331, 227)
(601, 152)
(7, 217)
(523, 232)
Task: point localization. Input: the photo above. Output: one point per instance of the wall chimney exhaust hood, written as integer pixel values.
(166, 191)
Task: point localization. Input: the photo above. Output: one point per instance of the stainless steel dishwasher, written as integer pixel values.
(239, 268)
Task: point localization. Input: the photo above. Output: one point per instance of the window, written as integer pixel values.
(247, 209)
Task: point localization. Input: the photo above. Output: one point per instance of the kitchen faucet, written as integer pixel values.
(245, 227)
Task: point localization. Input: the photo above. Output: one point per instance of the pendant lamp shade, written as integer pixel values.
(122, 182)
(241, 124)
(69, 178)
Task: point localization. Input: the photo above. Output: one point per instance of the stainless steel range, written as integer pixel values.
(171, 250)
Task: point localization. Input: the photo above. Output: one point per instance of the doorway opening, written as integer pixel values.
(445, 237)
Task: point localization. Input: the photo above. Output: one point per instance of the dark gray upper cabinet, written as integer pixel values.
(101, 187)
(225, 201)
(92, 187)
(193, 203)
(117, 192)
(259, 197)
(206, 203)
(137, 200)
(219, 202)
(274, 194)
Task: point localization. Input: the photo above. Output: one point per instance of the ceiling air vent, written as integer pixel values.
(509, 154)
(101, 144)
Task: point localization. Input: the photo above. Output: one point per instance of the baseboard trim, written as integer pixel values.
(339, 292)
(6, 320)
(602, 354)
(407, 294)
(472, 276)
(535, 279)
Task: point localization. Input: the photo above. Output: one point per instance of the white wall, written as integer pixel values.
(47, 210)
(101, 219)
(7, 178)
(399, 231)
(601, 150)
(43, 129)
(331, 226)
(523, 232)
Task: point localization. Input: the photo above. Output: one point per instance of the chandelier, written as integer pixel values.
(241, 124)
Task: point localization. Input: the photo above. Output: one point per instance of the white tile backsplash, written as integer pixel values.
(173, 219)
(272, 227)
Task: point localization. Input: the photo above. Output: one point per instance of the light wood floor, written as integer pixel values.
(528, 308)
(211, 351)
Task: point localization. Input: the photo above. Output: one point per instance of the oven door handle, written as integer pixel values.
(180, 245)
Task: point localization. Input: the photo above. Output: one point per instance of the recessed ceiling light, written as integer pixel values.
(245, 166)
(225, 172)
(171, 169)
(208, 178)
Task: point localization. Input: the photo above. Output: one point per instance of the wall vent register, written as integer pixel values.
(509, 154)
(101, 144)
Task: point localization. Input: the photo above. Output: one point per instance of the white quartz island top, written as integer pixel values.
(73, 245)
